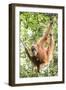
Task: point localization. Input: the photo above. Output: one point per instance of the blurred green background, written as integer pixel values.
(32, 27)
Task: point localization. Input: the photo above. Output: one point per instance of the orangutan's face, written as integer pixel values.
(34, 50)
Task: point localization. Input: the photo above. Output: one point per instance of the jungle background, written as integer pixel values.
(32, 27)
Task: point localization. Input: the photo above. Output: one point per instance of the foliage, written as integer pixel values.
(32, 27)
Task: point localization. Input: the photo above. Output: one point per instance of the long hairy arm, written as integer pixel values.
(26, 50)
(51, 48)
(43, 39)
